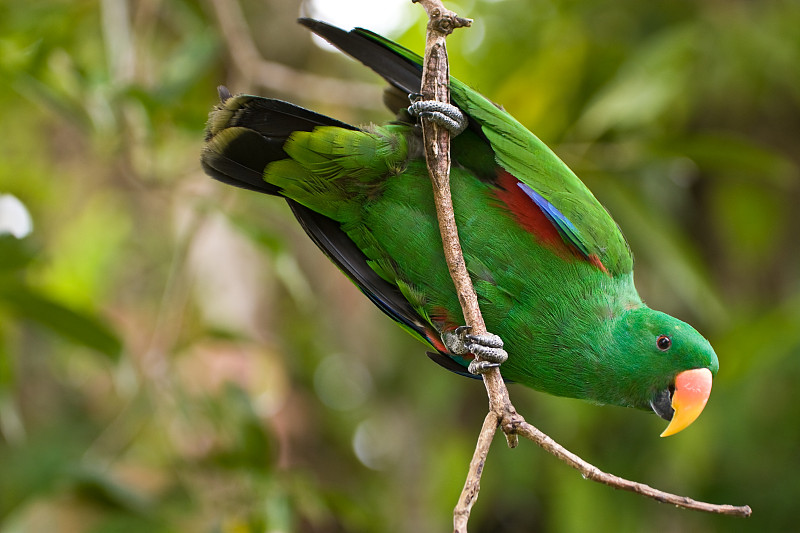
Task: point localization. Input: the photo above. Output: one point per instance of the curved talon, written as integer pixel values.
(462, 330)
(481, 367)
(446, 115)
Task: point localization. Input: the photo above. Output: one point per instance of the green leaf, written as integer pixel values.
(68, 323)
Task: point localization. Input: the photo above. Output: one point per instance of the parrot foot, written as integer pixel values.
(445, 115)
(487, 347)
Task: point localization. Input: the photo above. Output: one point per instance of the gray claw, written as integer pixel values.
(489, 340)
(487, 348)
(446, 115)
(462, 330)
(481, 367)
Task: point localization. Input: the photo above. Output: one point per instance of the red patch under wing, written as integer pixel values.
(593, 259)
(530, 217)
(443, 321)
(435, 340)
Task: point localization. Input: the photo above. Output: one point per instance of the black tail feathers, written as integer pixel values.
(245, 133)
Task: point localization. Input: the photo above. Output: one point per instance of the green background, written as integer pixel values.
(175, 355)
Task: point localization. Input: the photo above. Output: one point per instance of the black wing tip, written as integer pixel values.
(329, 32)
(311, 23)
(320, 27)
(323, 28)
(448, 363)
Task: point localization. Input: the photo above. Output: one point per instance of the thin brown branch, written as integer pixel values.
(589, 471)
(278, 77)
(435, 79)
(469, 494)
(435, 86)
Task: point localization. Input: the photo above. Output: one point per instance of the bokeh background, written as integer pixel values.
(176, 355)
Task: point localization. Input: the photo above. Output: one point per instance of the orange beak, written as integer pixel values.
(692, 388)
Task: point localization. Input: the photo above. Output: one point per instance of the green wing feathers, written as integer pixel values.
(528, 159)
(331, 168)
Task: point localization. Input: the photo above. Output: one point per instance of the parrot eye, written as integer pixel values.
(663, 342)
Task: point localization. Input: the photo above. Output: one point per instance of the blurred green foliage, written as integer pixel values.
(176, 356)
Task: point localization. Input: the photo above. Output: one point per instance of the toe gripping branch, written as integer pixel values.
(445, 115)
(487, 347)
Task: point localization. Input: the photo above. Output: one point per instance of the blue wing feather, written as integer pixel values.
(565, 228)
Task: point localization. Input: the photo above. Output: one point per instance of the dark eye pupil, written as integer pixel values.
(663, 342)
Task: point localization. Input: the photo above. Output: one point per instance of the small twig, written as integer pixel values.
(469, 494)
(435, 79)
(278, 77)
(589, 471)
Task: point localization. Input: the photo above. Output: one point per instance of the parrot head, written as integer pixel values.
(668, 366)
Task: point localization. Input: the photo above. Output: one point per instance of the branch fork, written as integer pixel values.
(435, 86)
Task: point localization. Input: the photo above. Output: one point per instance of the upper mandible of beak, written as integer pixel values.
(692, 388)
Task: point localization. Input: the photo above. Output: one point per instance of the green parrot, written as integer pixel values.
(552, 271)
